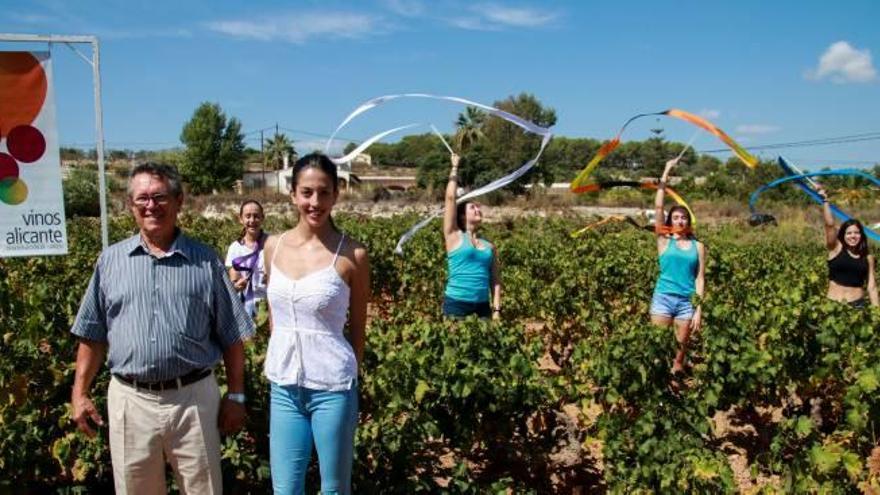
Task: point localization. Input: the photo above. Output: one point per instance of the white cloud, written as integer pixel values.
(709, 113)
(757, 129)
(495, 17)
(842, 63)
(301, 27)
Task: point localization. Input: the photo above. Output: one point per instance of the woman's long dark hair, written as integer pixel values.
(461, 214)
(321, 162)
(861, 248)
(241, 212)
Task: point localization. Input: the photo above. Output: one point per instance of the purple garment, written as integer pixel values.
(247, 264)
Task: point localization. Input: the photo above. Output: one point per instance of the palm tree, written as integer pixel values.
(277, 147)
(469, 128)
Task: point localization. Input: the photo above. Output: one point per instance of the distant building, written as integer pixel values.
(280, 180)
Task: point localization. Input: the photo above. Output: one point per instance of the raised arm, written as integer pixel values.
(830, 232)
(659, 214)
(450, 225)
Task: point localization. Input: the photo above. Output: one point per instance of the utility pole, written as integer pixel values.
(263, 154)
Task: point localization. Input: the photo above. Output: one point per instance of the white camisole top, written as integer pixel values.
(307, 347)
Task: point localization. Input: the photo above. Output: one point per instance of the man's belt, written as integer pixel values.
(173, 384)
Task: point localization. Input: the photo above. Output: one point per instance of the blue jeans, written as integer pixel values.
(299, 417)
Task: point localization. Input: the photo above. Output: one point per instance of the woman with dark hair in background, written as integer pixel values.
(244, 257)
(682, 262)
(319, 280)
(850, 265)
(471, 260)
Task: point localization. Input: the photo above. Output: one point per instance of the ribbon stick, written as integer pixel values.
(801, 181)
(443, 139)
(688, 145)
(544, 132)
(796, 171)
(609, 146)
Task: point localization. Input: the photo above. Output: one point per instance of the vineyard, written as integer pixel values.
(567, 394)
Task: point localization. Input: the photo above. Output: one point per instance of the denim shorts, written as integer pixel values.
(456, 309)
(672, 305)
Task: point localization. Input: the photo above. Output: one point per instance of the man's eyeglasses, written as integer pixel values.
(143, 201)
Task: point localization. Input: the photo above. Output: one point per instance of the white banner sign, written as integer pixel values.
(32, 221)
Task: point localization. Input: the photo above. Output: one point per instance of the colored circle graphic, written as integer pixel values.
(26, 143)
(13, 191)
(23, 87)
(8, 167)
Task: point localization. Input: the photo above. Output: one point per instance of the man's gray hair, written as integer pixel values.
(167, 172)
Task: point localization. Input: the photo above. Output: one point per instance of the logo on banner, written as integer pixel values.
(21, 99)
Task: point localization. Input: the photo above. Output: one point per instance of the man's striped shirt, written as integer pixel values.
(162, 317)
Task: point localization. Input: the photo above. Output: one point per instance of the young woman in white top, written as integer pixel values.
(244, 257)
(317, 276)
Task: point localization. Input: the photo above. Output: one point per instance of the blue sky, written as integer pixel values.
(766, 72)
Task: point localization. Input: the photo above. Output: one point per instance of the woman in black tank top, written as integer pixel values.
(850, 266)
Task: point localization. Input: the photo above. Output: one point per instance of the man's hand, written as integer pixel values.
(240, 284)
(232, 416)
(83, 411)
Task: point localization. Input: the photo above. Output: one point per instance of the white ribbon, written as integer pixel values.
(496, 184)
(366, 144)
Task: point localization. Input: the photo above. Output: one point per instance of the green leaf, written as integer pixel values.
(824, 459)
(803, 426)
(421, 388)
(868, 381)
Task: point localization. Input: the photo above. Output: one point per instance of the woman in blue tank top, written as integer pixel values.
(682, 262)
(471, 262)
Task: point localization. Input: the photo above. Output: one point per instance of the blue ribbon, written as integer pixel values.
(799, 179)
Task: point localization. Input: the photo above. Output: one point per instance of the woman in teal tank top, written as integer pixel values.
(473, 276)
(682, 261)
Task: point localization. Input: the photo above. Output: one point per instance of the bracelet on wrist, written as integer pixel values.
(240, 398)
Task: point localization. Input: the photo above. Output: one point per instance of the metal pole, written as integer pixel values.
(99, 130)
(263, 154)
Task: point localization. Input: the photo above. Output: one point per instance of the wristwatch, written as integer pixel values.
(236, 398)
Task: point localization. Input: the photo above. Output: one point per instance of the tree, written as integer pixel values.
(469, 128)
(214, 154)
(277, 147)
(507, 145)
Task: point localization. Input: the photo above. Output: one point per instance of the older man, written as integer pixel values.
(161, 308)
